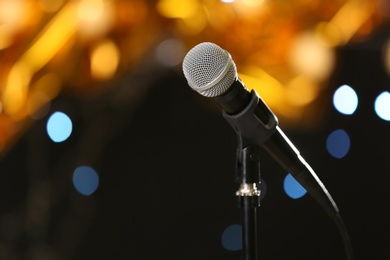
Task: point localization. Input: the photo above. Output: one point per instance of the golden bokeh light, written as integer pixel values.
(104, 60)
(269, 88)
(329, 34)
(5, 37)
(301, 91)
(283, 49)
(252, 3)
(52, 38)
(95, 17)
(350, 18)
(194, 24)
(11, 13)
(310, 56)
(178, 8)
(51, 6)
(16, 90)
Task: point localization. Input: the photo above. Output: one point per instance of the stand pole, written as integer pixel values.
(248, 175)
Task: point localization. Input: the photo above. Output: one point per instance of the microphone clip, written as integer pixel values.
(255, 123)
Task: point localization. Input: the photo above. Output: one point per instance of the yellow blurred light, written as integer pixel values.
(193, 25)
(221, 17)
(95, 16)
(90, 10)
(49, 84)
(51, 6)
(310, 56)
(11, 12)
(252, 3)
(301, 91)
(14, 15)
(329, 33)
(104, 60)
(58, 31)
(178, 8)
(351, 16)
(15, 92)
(48, 43)
(270, 89)
(5, 37)
(248, 9)
(281, 101)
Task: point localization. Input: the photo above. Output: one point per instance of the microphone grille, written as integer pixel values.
(209, 69)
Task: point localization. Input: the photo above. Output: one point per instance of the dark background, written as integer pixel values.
(166, 159)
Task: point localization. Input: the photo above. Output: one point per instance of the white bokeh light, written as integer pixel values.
(59, 127)
(382, 105)
(345, 100)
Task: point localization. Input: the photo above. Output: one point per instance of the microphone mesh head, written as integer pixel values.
(209, 69)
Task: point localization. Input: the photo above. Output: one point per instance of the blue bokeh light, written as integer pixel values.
(85, 180)
(59, 127)
(382, 106)
(232, 237)
(345, 100)
(293, 188)
(338, 143)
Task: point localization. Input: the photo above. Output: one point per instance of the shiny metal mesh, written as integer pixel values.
(209, 69)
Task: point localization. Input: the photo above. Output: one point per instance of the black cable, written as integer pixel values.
(344, 235)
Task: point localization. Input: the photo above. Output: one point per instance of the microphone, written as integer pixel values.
(211, 72)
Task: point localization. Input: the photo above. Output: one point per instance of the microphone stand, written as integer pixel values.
(248, 196)
(250, 122)
(253, 122)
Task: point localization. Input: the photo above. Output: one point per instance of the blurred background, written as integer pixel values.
(106, 153)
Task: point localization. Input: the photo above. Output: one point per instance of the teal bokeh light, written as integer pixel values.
(59, 127)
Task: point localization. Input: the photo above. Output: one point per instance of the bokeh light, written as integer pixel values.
(345, 100)
(178, 8)
(85, 180)
(59, 127)
(51, 6)
(170, 52)
(338, 143)
(95, 17)
(89, 42)
(293, 188)
(104, 60)
(310, 56)
(107, 58)
(232, 237)
(382, 105)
